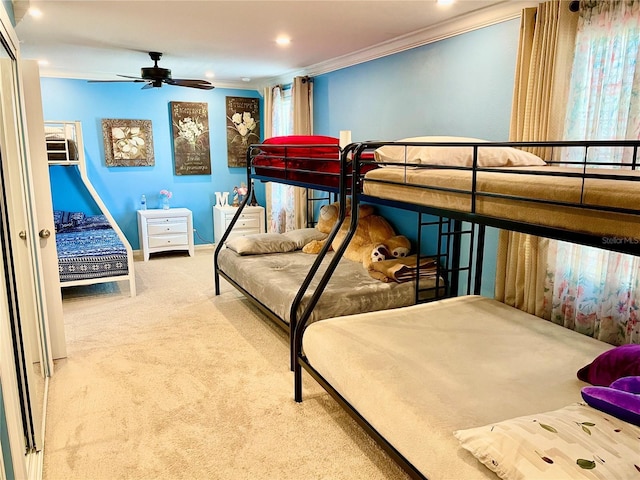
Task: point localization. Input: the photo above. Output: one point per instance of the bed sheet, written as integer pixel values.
(86, 254)
(597, 192)
(419, 373)
(274, 279)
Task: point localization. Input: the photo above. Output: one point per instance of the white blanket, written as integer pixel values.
(419, 373)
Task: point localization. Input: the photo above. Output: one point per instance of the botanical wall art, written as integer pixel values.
(191, 148)
(127, 143)
(243, 128)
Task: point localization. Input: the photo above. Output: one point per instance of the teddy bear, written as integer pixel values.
(373, 241)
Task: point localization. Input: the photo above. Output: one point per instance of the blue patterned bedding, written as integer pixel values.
(87, 253)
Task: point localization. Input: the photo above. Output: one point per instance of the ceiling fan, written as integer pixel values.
(155, 76)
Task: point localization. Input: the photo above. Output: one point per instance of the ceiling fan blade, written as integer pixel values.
(183, 82)
(129, 76)
(112, 81)
(154, 77)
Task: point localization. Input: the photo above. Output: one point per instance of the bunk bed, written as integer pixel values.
(459, 387)
(282, 282)
(91, 248)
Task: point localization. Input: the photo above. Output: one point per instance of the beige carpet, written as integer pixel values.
(177, 383)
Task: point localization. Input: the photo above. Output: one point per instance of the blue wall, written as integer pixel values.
(460, 86)
(121, 187)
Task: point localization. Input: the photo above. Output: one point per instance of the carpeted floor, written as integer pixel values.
(177, 383)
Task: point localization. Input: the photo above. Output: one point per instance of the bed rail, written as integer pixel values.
(288, 172)
(315, 166)
(607, 200)
(68, 141)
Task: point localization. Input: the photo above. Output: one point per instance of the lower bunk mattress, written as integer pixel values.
(420, 373)
(90, 254)
(274, 279)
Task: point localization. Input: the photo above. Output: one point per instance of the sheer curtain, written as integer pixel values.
(290, 111)
(594, 291)
(589, 290)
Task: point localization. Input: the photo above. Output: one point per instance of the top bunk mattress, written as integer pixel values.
(419, 373)
(433, 187)
(309, 160)
(274, 279)
(61, 142)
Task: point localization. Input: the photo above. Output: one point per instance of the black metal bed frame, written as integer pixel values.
(446, 252)
(284, 175)
(476, 220)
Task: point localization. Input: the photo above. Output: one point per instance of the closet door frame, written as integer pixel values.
(20, 457)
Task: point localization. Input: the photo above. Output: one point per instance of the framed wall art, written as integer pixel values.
(243, 128)
(127, 143)
(191, 148)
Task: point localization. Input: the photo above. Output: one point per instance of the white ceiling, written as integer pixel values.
(97, 39)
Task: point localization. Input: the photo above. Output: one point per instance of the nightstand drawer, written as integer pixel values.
(244, 221)
(241, 232)
(251, 220)
(166, 227)
(167, 240)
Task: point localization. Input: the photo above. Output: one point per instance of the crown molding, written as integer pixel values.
(507, 10)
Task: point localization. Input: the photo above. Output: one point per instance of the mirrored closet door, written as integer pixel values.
(27, 350)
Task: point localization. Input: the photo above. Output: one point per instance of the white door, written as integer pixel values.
(41, 190)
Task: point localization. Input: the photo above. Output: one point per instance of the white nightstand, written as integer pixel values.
(165, 230)
(251, 221)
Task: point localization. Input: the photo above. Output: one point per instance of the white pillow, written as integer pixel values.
(302, 236)
(574, 442)
(260, 243)
(455, 156)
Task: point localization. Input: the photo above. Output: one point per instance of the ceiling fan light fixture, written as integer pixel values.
(152, 73)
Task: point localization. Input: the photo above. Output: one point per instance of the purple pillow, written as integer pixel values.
(621, 399)
(622, 361)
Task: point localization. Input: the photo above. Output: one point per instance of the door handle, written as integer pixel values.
(44, 233)
(22, 235)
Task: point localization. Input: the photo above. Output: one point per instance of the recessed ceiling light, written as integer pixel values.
(246, 79)
(444, 2)
(282, 40)
(35, 12)
(43, 63)
(209, 74)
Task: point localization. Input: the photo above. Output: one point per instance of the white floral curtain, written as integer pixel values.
(279, 208)
(594, 291)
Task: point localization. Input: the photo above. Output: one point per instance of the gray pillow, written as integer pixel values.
(260, 243)
(303, 236)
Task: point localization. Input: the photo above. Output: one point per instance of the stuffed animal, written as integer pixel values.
(373, 241)
(620, 399)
